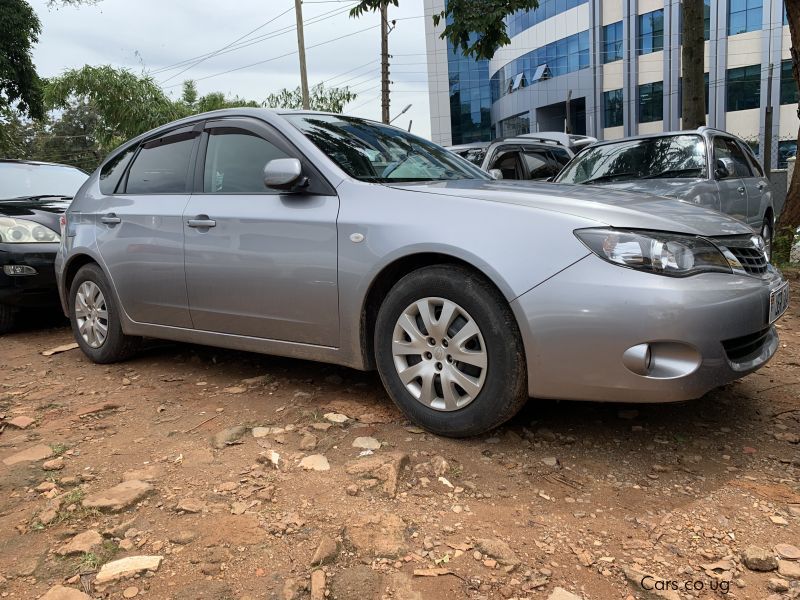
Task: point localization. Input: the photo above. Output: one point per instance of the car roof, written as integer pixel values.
(644, 136)
(25, 161)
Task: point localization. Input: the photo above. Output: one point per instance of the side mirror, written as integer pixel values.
(285, 174)
(724, 168)
(496, 173)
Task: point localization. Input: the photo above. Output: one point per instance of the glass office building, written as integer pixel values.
(611, 68)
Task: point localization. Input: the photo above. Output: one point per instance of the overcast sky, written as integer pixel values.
(152, 35)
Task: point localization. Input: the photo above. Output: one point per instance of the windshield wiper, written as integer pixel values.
(40, 197)
(673, 173)
(611, 177)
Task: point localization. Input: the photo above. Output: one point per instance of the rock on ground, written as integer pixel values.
(149, 473)
(326, 552)
(498, 550)
(315, 462)
(61, 592)
(118, 497)
(318, 585)
(378, 535)
(81, 543)
(32, 454)
(366, 443)
(229, 436)
(562, 594)
(789, 569)
(386, 468)
(635, 577)
(126, 567)
(756, 558)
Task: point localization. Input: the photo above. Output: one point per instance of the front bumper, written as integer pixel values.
(581, 327)
(29, 291)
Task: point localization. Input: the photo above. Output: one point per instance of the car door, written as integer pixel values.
(539, 163)
(259, 262)
(140, 229)
(759, 193)
(508, 161)
(732, 193)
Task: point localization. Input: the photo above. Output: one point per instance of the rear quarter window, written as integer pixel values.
(112, 171)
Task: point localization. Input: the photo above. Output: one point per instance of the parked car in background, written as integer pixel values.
(706, 167)
(32, 197)
(336, 239)
(536, 156)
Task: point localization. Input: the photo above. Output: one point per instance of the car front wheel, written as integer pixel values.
(449, 352)
(7, 318)
(95, 318)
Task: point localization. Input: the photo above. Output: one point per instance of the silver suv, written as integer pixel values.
(707, 167)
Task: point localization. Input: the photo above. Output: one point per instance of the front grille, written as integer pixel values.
(744, 250)
(742, 347)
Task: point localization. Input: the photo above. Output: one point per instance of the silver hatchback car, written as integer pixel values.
(337, 239)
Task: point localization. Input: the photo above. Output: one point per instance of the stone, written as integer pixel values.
(550, 461)
(635, 578)
(60, 592)
(32, 454)
(789, 569)
(788, 551)
(183, 537)
(260, 432)
(149, 473)
(336, 417)
(308, 442)
(292, 590)
(55, 464)
(228, 437)
(439, 466)
(190, 505)
(236, 389)
(125, 567)
(318, 585)
(756, 558)
(130, 592)
(776, 584)
(46, 486)
(386, 468)
(326, 552)
(119, 497)
(315, 462)
(81, 543)
(497, 549)
(378, 535)
(366, 443)
(562, 594)
(21, 422)
(778, 520)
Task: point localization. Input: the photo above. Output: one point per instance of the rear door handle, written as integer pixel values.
(110, 219)
(201, 221)
(761, 185)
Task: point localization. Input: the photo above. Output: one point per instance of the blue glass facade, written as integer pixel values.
(744, 16)
(564, 56)
(522, 19)
(612, 42)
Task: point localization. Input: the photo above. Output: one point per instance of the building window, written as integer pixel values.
(786, 150)
(525, 19)
(650, 37)
(744, 88)
(612, 42)
(612, 108)
(651, 102)
(789, 92)
(516, 125)
(744, 15)
(706, 20)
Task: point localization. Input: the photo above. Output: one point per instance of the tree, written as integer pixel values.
(475, 26)
(321, 98)
(70, 138)
(789, 219)
(20, 86)
(693, 110)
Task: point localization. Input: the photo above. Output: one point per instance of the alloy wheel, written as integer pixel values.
(439, 354)
(91, 314)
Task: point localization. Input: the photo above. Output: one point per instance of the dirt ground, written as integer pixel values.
(585, 497)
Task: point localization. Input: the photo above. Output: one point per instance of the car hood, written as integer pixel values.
(675, 187)
(45, 211)
(612, 207)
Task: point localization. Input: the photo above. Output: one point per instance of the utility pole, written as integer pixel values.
(568, 111)
(301, 47)
(384, 61)
(768, 125)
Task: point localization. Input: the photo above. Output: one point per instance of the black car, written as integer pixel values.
(32, 197)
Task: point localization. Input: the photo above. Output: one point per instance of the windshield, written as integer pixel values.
(19, 180)
(649, 158)
(380, 153)
(473, 155)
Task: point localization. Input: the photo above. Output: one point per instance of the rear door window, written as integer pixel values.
(162, 165)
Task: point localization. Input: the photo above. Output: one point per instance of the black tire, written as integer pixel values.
(767, 227)
(117, 346)
(7, 318)
(504, 389)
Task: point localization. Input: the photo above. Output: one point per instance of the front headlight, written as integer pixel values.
(655, 252)
(20, 231)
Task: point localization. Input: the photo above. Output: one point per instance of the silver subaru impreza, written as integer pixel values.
(336, 239)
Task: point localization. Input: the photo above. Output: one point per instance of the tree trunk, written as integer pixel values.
(693, 110)
(789, 219)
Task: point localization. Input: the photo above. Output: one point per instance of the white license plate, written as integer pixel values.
(778, 302)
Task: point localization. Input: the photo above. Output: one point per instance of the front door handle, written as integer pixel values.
(740, 189)
(110, 219)
(201, 222)
(761, 185)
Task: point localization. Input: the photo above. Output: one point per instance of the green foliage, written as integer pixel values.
(20, 86)
(320, 98)
(475, 26)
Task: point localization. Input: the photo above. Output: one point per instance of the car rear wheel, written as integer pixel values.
(7, 315)
(766, 233)
(449, 352)
(95, 318)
